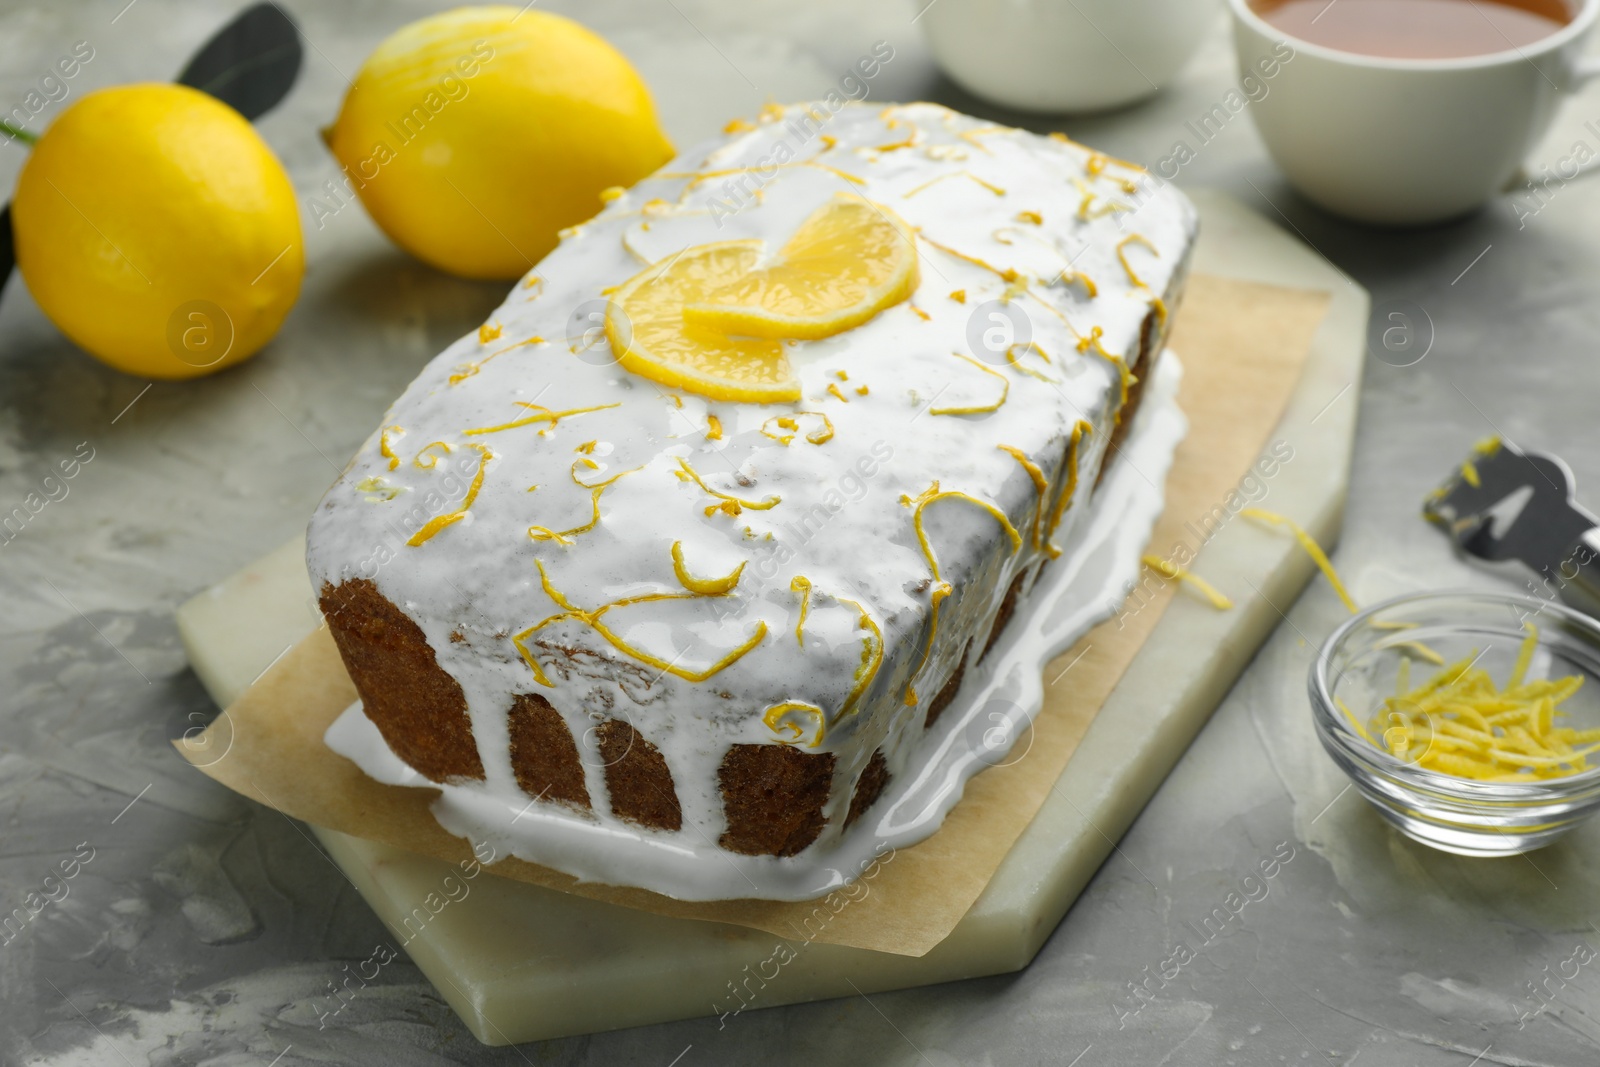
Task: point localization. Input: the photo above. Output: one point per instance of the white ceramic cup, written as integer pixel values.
(1064, 55)
(1408, 141)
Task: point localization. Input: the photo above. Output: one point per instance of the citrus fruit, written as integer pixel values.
(711, 318)
(848, 261)
(474, 136)
(647, 330)
(157, 230)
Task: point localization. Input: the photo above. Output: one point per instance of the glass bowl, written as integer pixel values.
(1360, 664)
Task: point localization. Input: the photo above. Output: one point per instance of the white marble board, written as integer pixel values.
(522, 963)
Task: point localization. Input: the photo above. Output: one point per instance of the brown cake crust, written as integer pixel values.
(772, 796)
(418, 708)
(869, 786)
(638, 778)
(1151, 335)
(1008, 607)
(544, 756)
(947, 694)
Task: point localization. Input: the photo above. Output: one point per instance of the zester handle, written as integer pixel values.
(1577, 575)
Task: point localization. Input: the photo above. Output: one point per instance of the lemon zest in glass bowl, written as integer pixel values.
(1459, 722)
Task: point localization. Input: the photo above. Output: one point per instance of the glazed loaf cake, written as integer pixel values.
(580, 591)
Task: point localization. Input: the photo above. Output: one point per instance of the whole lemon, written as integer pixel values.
(158, 231)
(475, 135)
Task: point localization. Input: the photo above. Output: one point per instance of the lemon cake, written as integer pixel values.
(692, 544)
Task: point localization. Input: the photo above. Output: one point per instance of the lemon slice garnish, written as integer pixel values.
(710, 318)
(848, 261)
(650, 336)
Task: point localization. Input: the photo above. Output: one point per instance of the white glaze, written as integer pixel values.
(478, 576)
(992, 716)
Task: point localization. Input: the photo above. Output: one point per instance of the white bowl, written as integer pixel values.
(1064, 55)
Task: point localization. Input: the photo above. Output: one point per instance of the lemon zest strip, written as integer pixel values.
(1081, 430)
(1125, 376)
(977, 409)
(1519, 670)
(1122, 256)
(688, 472)
(592, 618)
(565, 537)
(791, 423)
(433, 458)
(774, 718)
(995, 189)
(801, 585)
(1170, 570)
(439, 522)
(467, 370)
(1307, 542)
(543, 414)
(1013, 358)
(1056, 135)
(385, 449)
(378, 488)
(971, 136)
(1069, 275)
(1041, 486)
(871, 656)
(941, 588)
(704, 586)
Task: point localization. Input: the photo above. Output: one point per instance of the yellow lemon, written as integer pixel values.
(474, 136)
(158, 231)
(711, 319)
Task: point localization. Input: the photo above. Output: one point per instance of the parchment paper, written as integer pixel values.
(1243, 345)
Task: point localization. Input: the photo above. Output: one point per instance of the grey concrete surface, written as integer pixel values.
(204, 927)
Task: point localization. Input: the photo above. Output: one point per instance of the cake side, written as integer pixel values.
(882, 529)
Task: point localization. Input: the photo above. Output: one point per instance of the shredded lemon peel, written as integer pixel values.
(791, 424)
(871, 656)
(1309, 543)
(801, 585)
(426, 453)
(1041, 486)
(941, 588)
(439, 522)
(385, 449)
(1015, 360)
(731, 505)
(467, 370)
(977, 409)
(1095, 343)
(704, 586)
(566, 537)
(593, 619)
(777, 719)
(541, 414)
(1122, 256)
(1461, 723)
(995, 189)
(1172, 571)
(1063, 501)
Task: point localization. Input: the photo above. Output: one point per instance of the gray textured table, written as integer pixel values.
(203, 929)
